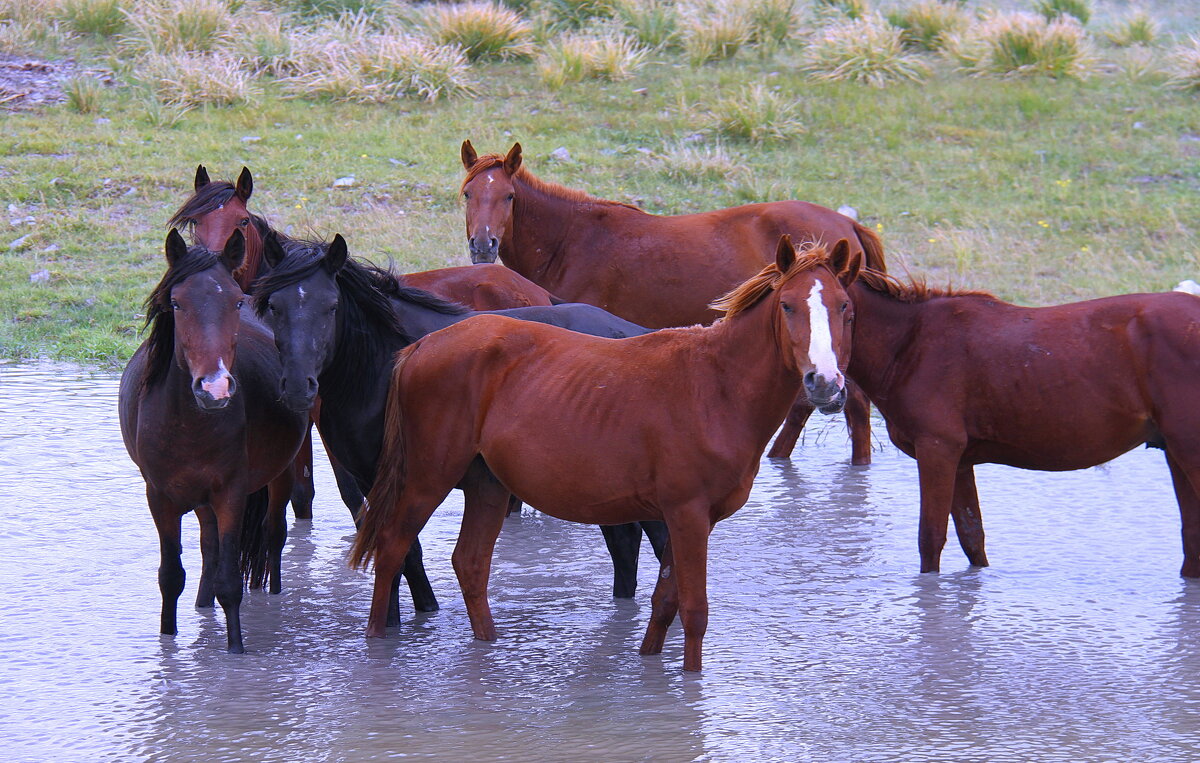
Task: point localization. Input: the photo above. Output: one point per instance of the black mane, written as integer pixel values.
(160, 318)
(208, 199)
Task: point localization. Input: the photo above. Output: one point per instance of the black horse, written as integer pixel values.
(339, 322)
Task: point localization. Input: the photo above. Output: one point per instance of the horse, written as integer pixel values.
(670, 425)
(654, 270)
(338, 323)
(201, 419)
(482, 287)
(1045, 388)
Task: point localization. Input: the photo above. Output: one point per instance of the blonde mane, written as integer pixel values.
(523, 175)
(915, 290)
(769, 279)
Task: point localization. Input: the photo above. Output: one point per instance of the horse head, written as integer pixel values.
(815, 316)
(216, 210)
(205, 304)
(299, 302)
(488, 194)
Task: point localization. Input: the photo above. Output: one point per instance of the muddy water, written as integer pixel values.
(1080, 642)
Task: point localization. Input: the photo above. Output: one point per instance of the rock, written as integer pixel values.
(560, 154)
(345, 182)
(251, 138)
(1189, 286)
(42, 276)
(848, 211)
(21, 243)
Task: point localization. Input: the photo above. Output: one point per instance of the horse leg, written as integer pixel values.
(968, 522)
(656, 533)
(170, 567)
(209, 551)
(936, 469)
(484, 508)
(279, 490)
(858, 420)
(392, 548)
(792, 426)
(348, 489)
(303, 490)
(689, 534)
(229, 508)
(624, 544)
(664, 605)
(1185, 480)
(418, 581)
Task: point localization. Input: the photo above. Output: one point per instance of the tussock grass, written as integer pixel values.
(579, 13)
(26, 38)
(482, 29)
(756, 114)
(1135, 28)
(1080, 10)
(772, 22)
(102, 18)
(854, 9)
(262, 41)
(599, 54)
(1023, 44)
(867, 50)
(684, 161)
(336, 8)
(924, 25)
(1137, 63)
(84, 94)
(654, 23)
(175, 26)
(192, 79)
(29, 10)
(711, 30)
(1183, 65)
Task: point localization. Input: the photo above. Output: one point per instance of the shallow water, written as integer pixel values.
(1080, 642)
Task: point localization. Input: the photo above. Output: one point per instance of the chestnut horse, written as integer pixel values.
(201, 419)
(1048, 388)
(670, 425)
(653, 270)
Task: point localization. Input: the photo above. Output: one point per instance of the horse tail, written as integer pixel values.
(872, 247)
(254, 539)
(379, 507)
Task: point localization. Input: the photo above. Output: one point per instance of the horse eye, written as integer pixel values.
(244, 222)
(240, 303)
(466, 195)
(174, 305)
(786, 307)
(508, 197)
(845, 305)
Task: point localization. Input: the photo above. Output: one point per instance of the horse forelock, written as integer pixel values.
(208, 199)
(769, 279)
(546, 187)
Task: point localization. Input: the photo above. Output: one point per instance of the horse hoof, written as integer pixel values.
(426, 606)
(236, 649)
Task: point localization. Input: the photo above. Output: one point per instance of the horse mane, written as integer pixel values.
(914, 289)
(490, 161)
(769, 279)
(160, 318)
(209, 198)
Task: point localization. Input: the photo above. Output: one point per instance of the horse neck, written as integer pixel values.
(883, 328)
(540, 221)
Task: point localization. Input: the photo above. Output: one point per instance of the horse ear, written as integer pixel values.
(335, 256)
(272, 250)
(176, 247)
(845, 262)
(245, 185)
(785, 255)
(234, 252)
(201, 177)
(469, 157)
(512, 162)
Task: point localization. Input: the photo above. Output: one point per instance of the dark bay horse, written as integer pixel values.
(339, 322)
(201, 419)
(1048, 388)
(670, 425)
(653, 270)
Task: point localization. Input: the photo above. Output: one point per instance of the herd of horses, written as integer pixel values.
(619, 368)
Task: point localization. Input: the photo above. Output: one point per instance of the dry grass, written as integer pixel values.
(700, 163)
(1080, 10)
(1183, 65)
(714, 31)
(600, 54)
(102, 18)
(924, 25)
(756, 114)
(262, 41)
(1022, 44)
(655, 23)
(867, 50)
(482, 29)
(175, 26)
(190, 79)
(1135, 28)
(84, 93)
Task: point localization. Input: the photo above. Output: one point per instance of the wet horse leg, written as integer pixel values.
(797, 417)
(624, 545)
(278, 490)
(664, 605)
(396, 543)
(1185, 480)
(656, 533)
(171, 575)
(858, 420)
(229, 507)
(936, 469)
(209, 550)
(303, 490)
(968, 522)
(689, 534)
(419, 587)
(348, 489)
(484, 508)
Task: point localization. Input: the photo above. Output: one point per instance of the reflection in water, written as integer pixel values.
(824, 642)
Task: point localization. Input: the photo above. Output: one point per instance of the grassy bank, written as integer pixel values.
(1038, 189)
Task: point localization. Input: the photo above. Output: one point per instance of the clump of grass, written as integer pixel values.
(854, 9)
(714, 31)
(262, 41)
(101, 18)
(192, 79)
(32, 37)
(689, 161)
(1136, 28)
(173, 26)
(574, 57)
(1023, 44)
(756, 114)
(1183, 65)
(336, 8)
(348, 62)
(482, 29)
(925, 24)
(84, 93)
(578, 13)
(867, 50)
(1080, 10)
(771, 21)
(28, 10)
(654, 23)
(1137, 63)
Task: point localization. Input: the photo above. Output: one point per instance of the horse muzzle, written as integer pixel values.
(825, 395)
(298, 397)
(214, 392)
(483, 251)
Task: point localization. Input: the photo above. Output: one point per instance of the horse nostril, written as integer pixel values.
(312, 386)
(810, 381)
(493, 243)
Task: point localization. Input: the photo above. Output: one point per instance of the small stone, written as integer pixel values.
(345, 182)
(30, 220)
(251, 138)
(848, 211)
(90, 301)
(1189, 286)
(1139, 126)
(101, 120)
(42, 276)
(561, 154)
(52, 248)
(21, 242)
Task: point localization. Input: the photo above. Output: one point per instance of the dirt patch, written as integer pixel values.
(27, 83)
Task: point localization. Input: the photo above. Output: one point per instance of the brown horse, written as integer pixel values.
(1050, 388)
(482, 287)
(650, 269)
(670, 425)
(201, 419)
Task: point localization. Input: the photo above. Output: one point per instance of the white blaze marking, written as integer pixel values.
(820, 338)
(491, 179)
(217, 383)
(303, 294)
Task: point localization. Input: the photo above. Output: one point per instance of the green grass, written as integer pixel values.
(1039, 190)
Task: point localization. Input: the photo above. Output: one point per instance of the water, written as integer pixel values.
(1080, 642)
